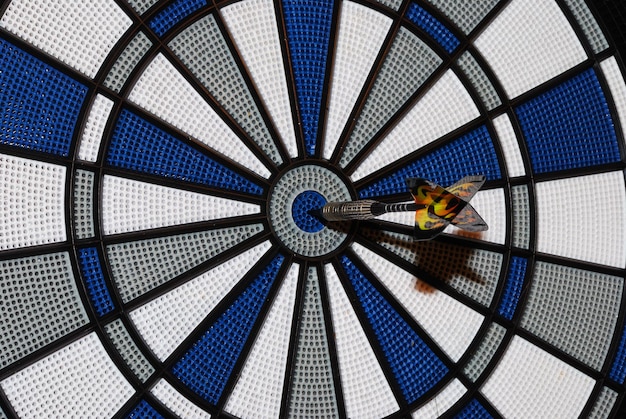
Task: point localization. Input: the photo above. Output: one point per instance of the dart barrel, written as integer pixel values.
(364, 209)
(351, 210)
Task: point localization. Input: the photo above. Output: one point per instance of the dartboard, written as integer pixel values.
(162, 162)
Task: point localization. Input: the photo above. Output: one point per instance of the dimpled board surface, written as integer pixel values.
(162, 161)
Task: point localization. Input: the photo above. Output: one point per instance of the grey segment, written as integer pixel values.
(128, 350)
(485, 351)
(465, 14)
(140, 266)
(312, 388)
(141, 6)
(203, 49)
(520, 210)
(40, 304)
(407, 66)
(604, 404)
(479, 80)
(573, 309)
(83, 204)
(127, 61)
(589, 25)
(392, 4)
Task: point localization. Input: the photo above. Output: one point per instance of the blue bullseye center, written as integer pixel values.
(306, 201)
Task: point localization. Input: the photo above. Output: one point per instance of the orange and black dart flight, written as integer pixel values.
(435, 207)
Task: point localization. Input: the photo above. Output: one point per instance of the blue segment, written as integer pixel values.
(432, 27)
(513, 287)
(306, 201)
(569, 126)
(471, 154)
(39, 105)
(416, 368)
(144, 411)
(208, 365)
(141, 146)
(92, 274)
(308, 25)
(618, 369)
(174, 13)
(473, 410)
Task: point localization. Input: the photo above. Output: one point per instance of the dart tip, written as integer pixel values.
(317, 213)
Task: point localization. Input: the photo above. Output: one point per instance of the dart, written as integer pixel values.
(435, 207)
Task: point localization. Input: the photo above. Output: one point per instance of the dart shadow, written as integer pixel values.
(435, 262)
(346, 227)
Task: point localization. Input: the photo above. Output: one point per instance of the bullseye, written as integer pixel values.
(301, 211)
(298, 191)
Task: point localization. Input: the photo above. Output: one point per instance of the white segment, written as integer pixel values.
(176, 402)
(491, 205)
(32, 197)
(530, 383)
(253, 27)
(529, 44)
(131, 205)
(444, 108)
(259, 390)
(617, 86)
(450, 323)
(163, 91)
(74, 32)
(166, 321)
(79, 380)
(442, 401)
(362, 32)
(94, 128)
(366, 390)
(510, 146)
(583, 218)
